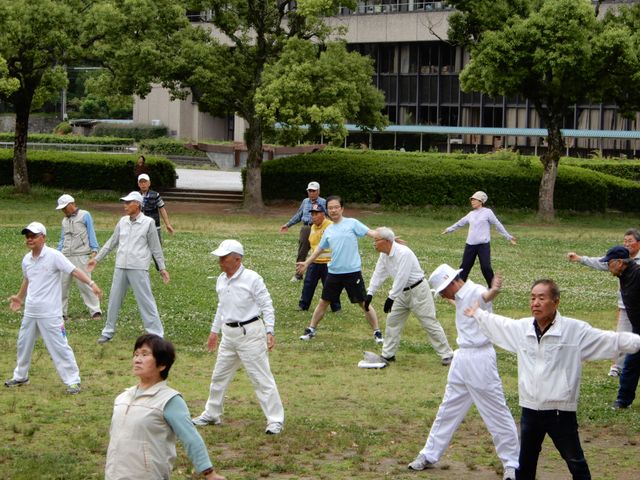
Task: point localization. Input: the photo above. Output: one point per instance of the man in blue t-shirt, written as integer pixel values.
(344, 268)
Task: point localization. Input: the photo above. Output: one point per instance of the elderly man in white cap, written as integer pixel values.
(246, 318)
(137, 242)
(40, 292)
(304, 215)
(78, 243)
(409, 293)
(473, 378)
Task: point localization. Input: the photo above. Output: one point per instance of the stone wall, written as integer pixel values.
(37, 124)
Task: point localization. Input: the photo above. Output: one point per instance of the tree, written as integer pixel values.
(555, 53)
(39, 37)
(274, 63)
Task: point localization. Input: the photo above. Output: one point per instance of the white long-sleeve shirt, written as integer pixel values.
(549, 371)
(480, 221)
(241, 298)
(137, 240)
(401, 264)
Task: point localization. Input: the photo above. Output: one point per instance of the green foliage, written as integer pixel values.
(311, 91)
(91, 171)
(75, 139)
(437, 180)
(7, 85)
(135, 131)
(627, 169)
(168, 146)
(63, 128)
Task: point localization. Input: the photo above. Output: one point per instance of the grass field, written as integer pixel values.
(341, 422)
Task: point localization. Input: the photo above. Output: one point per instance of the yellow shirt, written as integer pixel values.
(314, 240)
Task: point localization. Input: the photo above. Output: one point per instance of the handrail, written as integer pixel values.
(78, 147)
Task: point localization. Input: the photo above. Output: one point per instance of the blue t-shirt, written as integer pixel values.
(342, 238)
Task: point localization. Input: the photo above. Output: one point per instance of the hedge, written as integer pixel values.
(74, 139)
(438, 180)
(87, 171)
(627, 169)
(133, 130)
(168, 146)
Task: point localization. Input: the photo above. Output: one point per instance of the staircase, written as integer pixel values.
(201, 196)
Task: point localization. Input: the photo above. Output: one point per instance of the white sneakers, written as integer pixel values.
(203, 421)
(274, 428)
(421, 463)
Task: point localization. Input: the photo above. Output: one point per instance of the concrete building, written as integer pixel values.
(418, 71)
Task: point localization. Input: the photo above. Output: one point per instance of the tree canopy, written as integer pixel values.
(556, 53)
(273, 61)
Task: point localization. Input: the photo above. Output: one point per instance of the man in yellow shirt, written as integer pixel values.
(318, 269)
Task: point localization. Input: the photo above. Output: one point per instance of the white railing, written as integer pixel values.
(76, 147)
(401, 6)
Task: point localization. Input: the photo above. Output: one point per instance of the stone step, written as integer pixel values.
(201, 196)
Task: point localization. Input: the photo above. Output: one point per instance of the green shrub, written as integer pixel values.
(627, 169)
(439, 180)
(87, 171)
(168, 146)
(133, 130)
(75, 139)
(63, 128)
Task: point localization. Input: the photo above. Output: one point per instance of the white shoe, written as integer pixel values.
(309, 333)
(614, 371)
(420, 463)
(203, 421)
(509, 474)
(377, 336)
(274, 428)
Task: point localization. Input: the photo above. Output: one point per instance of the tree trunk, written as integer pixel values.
(20, 174)
(550, 162)
(253, 189)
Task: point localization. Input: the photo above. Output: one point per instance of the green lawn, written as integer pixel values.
(341, 422)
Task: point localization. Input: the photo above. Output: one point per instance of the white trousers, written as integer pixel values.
(88, 297)
(140, 283)
(55, 339)
(473, 379)
(249, 350)
(624, 325)
(418, 300)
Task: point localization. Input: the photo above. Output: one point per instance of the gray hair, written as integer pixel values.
(386, 233)
(633, 232)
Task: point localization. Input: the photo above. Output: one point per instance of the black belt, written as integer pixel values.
(242, 324)
(413, 286)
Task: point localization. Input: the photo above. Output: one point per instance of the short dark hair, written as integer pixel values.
(634, 232)
(163, 351)
(337, 198)
(553, 287)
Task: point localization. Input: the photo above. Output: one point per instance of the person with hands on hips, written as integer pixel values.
(409, 293)
(247, 338)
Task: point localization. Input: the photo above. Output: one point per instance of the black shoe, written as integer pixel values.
(390, 359)
(618, 406)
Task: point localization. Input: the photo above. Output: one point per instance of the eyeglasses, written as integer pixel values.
(32, 235)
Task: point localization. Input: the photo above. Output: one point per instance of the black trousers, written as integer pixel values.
(483, 252)
(562, 427)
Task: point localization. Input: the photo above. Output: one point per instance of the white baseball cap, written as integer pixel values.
(227, 247)
(144, 176)
(133, 197)
(442, 277)
(64, 200)
(313, 186)
(480, 196)
(35, 228)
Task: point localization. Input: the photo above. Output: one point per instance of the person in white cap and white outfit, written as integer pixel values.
(304, 215)
(79, 244)
(473, 378)
(137, 242)
(40, 293)
(246, 318)
(478, 242)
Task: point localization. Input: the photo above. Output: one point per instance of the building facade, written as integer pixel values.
(418, 71)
